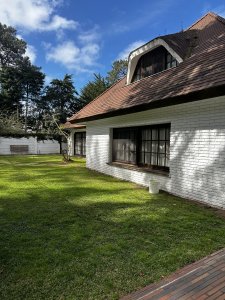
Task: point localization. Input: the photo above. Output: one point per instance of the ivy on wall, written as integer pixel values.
(39, 136)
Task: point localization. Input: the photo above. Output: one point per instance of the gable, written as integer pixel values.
(200, 74)
(153, 62)
(154, 47)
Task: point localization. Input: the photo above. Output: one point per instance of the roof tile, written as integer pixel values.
(201, 69)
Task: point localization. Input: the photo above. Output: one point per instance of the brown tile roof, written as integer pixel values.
(69, 125)
(201, 75)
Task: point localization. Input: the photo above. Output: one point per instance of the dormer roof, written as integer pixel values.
(200, 75)
(179, 45)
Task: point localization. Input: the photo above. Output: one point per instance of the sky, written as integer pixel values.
(82, 37)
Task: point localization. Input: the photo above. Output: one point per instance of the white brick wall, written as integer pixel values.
(48, 147)
(35, 147)
(6, 142)
(197, 168)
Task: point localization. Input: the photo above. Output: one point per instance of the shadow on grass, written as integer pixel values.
(75, 234)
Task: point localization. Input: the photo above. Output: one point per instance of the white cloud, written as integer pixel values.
(48, 79)
(31, 53)
(124, 54)
(73, 57)
(34, 15)
(89, 36)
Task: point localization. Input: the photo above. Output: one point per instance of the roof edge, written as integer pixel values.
(203, 94)
(71, 118)
(210, 13)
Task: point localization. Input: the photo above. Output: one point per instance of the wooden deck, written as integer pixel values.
(202, 280)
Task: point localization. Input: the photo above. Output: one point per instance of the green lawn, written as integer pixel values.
(70, 233)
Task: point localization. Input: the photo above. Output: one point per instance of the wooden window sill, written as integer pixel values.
(139, 169)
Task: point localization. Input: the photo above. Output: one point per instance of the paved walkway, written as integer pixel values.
(202, 280)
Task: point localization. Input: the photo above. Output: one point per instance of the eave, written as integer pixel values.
(204, 94)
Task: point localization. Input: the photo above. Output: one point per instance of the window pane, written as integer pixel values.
(162, 134)
(124, 145)
(146, 134)
(133, 157)
(174, 63)
(154, 146)
(132, 146)
(161, 161)
(167, 134)
(142, 158)
(155, 134)
(80, 143)
(154, 159)
(147, 146)
(147, 158)
(162, 147)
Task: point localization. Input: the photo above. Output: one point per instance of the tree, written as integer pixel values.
(11, 93)
(21, 86)
(119, 70)
(12, 49)
(93, 89)
(61, 98)
(10, 124)
(32, 80)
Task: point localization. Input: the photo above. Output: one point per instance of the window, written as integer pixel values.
(155, 146)
(80, 143)
(170, 61)
(154, 62)
(147, 146)
(124, 145)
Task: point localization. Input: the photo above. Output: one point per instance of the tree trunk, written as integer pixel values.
(26, 109)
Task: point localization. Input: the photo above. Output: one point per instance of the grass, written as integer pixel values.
(70, 233)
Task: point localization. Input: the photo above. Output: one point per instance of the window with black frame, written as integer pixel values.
(80, 143)
(153, 62)
(147, 146)
(124, 145)
(155, 146)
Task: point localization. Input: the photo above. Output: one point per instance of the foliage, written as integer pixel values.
(93, 89)
(32, 81)
(12, 48)
(99, 84)
(70, 233)
(40, 136)
(11, 93)
(10, 124)
(60, 98)
(21, 88)
(118, 71)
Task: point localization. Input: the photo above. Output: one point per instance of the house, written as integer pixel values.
(77, 139)
(166, 120)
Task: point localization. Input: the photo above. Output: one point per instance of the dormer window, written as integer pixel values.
(154, 62)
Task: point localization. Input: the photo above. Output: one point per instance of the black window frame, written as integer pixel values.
(82, 139)
(139, 144)
(153, 62)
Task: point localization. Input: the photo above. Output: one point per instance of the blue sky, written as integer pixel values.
(85, 37)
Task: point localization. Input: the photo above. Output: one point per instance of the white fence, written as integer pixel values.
(28, 145)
